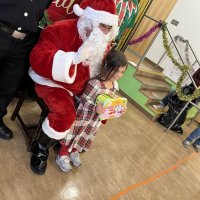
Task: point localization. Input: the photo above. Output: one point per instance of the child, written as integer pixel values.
(194, 139)
(87, 121)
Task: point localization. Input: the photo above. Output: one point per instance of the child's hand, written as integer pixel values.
(100, 109)
(123, 110)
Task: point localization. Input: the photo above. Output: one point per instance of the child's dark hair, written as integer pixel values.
(114, 60)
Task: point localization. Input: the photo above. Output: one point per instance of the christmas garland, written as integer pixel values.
(145, 35)
(182, 68)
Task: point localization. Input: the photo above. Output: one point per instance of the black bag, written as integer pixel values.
(175, 106)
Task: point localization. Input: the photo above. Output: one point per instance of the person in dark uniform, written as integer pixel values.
(18, 32)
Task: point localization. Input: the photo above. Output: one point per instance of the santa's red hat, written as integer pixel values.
(102, 11)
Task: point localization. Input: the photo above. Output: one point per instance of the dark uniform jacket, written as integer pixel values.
(22, 15)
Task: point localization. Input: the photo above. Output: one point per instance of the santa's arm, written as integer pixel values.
(49, 60)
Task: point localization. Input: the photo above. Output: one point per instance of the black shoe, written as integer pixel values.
(5, 132)
(177, 129)
(196, 147)
(39, 159)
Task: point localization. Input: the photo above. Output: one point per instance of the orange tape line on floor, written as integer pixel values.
(151, 179)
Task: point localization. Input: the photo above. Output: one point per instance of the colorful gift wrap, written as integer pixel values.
(113, 106)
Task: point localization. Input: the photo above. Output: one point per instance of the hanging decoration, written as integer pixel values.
(178, 38)
(146, 35)
(182, 68)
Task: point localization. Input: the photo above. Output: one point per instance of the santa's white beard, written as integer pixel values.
(97, 44)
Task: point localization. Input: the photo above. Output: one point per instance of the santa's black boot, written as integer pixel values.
(40, 154)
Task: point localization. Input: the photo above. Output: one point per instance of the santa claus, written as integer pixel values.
(68, 54)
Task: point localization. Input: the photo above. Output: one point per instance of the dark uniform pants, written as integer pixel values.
(13, 55)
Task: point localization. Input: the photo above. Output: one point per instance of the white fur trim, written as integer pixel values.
(77, 10)
(61, 65)
(101, 16)
(51, 132)
(97, 15)
(45, 81)
(116, 86)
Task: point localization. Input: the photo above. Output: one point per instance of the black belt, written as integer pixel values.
(12, 32)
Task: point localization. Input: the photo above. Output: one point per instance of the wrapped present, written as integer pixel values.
(113, 106)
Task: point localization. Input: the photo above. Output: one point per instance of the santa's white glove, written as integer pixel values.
(90, 47)
(82, 54)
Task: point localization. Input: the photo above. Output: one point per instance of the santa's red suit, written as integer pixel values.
(58, 79)
(68, 54)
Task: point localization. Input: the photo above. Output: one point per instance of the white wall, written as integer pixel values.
(187, 12)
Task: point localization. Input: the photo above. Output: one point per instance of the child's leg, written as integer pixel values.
(196, 145)
(63, 150)
(194, 136)
(63, 159)
(197, 141)
(74, 157)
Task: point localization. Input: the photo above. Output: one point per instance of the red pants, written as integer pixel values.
(62, 112)
(64, 150)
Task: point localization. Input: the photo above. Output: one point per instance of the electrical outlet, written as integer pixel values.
(174, 22)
